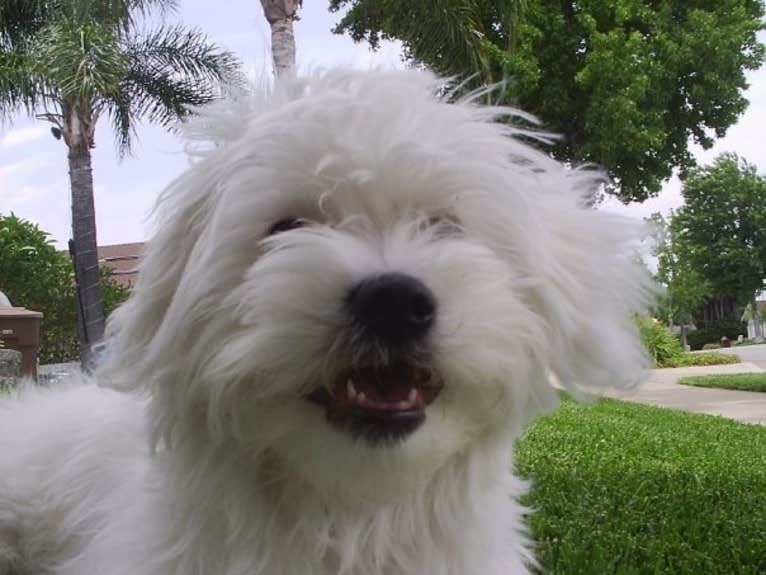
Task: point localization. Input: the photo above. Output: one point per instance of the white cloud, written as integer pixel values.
(13, 169)
(24, 196)
(24, 135)
(46, 205)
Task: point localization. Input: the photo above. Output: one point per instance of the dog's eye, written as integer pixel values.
(444, 226)
(285, 225)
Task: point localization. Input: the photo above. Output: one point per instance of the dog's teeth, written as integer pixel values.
(350, 389)
(412, 397)
(360, 397)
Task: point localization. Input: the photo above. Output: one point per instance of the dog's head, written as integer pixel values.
(364, 279)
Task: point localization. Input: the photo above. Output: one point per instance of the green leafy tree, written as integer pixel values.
(629, 84)
(685, 287)
(720, 232)
(35, 275)
(74, 62)
(454, 37)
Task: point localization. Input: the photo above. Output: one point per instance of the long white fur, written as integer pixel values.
(205, 460)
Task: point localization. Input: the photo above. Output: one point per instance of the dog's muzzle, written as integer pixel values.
(379, 405)
(385, 403)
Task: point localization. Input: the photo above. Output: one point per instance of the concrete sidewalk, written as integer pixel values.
(662, 389)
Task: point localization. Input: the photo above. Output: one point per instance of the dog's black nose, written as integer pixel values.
(393, 306)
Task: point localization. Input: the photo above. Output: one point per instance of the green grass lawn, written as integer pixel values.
(626, 489)
(739, 381)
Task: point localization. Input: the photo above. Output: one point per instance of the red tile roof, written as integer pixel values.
(123, 260)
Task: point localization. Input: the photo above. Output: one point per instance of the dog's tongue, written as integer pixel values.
(390, 389)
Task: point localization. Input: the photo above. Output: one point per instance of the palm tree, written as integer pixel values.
(280, 14)
(74, 62)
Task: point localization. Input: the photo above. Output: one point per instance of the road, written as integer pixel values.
(751, 353)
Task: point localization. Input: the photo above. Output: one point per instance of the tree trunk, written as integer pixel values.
(716, 308)
(683, 335)
(757, 325)
(86, 256)
(280, 15)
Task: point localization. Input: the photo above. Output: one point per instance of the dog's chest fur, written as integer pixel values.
(235, 523)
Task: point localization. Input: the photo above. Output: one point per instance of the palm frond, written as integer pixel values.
(170, 71)
(121, 113)
(145, 7)
(22, 87)
(175, 50)
(158, 100)
(123, 14)
(20, 19)
(83, 59)
(163, 99)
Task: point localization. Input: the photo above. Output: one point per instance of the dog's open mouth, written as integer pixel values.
(379, 404)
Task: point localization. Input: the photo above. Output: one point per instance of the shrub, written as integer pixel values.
(60, 335)
(661, 344)
(35, 275)
(713, 331)
(708, 358)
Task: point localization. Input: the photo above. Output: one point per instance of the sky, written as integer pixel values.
(33, 168)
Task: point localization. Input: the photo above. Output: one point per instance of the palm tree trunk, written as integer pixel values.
(86, 256)
(280, 15)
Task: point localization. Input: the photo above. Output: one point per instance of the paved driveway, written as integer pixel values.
(755, 354)
(661, 389)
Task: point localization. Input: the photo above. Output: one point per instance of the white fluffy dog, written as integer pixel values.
(355, 301)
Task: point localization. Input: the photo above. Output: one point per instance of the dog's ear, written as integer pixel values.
(590, 284)
(168, 299)
(135, 330)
